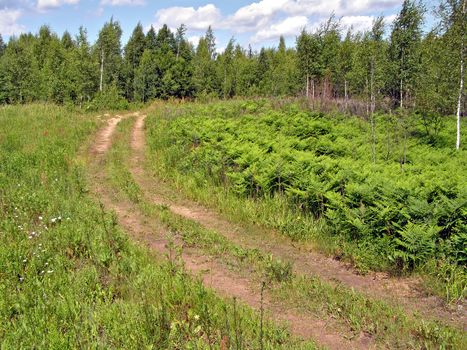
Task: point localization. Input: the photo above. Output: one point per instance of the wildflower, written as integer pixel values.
(50, 271)
(30, 237)
(196, 317)
(40, 218)
(21, 279)
(42, 272)
(25, 260)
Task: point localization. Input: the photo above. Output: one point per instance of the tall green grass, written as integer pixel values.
(69, 276)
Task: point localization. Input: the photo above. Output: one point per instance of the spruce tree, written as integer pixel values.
(2, 45)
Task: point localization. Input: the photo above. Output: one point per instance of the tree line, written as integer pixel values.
(386, 66)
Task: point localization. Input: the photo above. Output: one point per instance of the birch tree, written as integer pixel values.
(109, 53)
(404, 49)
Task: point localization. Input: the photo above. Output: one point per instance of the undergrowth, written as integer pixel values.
(314, 177)
(352, 311)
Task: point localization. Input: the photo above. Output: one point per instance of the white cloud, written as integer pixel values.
(357, 23)
(363, 23)
(197, 19)
(268, 19)
(339, 7)
(288, 27)
(123, 2)
(194, 39)
(256, 15)
(49, 4)
(8, 22)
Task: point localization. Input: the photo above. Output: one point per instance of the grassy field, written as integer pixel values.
(390, 197)
(70, 277)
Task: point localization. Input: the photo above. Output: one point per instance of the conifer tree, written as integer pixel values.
(2, 45)
(151, 41)
(132, 56)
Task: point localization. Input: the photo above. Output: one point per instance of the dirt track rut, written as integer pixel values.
(213, 274)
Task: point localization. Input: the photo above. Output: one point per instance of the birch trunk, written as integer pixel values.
(461, 86)
(313, 87)
(345, 94)
(372, 111)
(102, 71)
(402, 96)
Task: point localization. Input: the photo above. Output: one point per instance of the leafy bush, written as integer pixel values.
(109, 99)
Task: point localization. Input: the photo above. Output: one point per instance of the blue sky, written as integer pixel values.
(259, 23)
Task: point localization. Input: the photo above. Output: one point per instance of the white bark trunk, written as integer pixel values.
(345, 90)
(313, 87)
(372, 111)
(402, 96)
(461, 87)
(102, 71)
